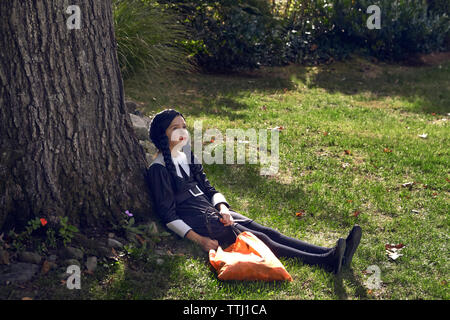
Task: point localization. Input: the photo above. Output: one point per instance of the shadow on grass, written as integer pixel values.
(425, 87)
(202, 94)
(267, 194)
(349, 275)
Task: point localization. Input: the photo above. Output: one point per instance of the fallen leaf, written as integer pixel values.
(387, 150)
(264, 107)
(356, 213)
(393, 250)
(347, 152)
(27, 298)
(345, 165)
(300, 214)
(394, 246)
(45, 267)
(279, 128)
(408, 184)
(141, 240)
(393, 255)
(325, 133)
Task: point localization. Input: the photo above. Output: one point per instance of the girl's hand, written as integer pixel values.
(205, 242)
(226, 219)
(209, 244)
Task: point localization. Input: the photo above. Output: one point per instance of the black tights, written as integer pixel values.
(283, 246)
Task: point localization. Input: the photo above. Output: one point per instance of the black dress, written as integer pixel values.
(196, 212)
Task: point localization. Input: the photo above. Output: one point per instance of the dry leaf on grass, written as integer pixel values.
(45, 267)
(300, 214)
(345, 165)
(279, 128)
(356, 213)
(393, 250)
(408, 184)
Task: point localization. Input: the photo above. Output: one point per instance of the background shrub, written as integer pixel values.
(149, 38)
(233, 35)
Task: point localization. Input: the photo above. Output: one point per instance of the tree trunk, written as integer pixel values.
(67, 146)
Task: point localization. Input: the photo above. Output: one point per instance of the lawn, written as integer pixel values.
(350, 151)
(374, 111)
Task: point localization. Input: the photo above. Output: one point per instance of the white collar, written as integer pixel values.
(180, 159)
(179, 156)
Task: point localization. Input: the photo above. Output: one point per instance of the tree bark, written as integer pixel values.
(67, 146)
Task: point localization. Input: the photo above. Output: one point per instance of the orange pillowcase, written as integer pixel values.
(247, 259)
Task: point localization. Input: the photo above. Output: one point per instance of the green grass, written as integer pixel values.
(365, 108)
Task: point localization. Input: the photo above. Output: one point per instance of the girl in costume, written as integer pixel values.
(192, 208)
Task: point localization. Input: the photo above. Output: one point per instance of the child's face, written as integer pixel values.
(177, 133)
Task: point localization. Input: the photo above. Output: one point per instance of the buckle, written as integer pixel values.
(196, 194)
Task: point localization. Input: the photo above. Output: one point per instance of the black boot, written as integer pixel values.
(334, 263)
(352, 243)
(340, 251)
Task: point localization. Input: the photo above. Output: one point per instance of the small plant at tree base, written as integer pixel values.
(51, 238)
(22, 239)
(38, 228)
(66, 231)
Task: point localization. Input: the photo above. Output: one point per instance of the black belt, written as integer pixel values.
(193, 191)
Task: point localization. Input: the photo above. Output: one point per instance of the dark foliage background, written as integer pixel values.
(233, 35)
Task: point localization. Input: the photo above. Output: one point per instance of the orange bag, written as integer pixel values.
(247, 259)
